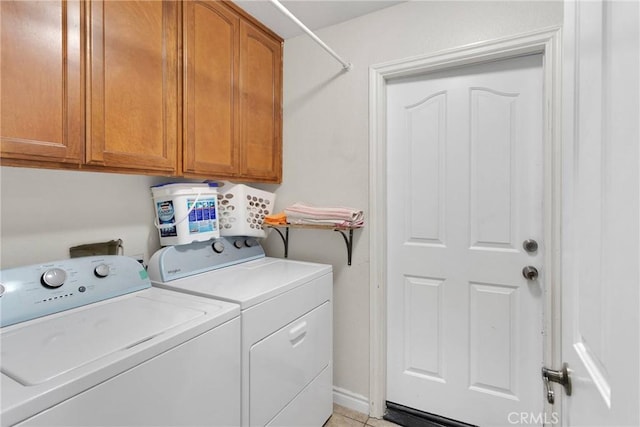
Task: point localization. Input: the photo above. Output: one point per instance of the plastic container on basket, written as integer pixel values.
(185, 213)
(242, 210)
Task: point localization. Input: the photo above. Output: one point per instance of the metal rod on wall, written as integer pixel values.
(345, 65)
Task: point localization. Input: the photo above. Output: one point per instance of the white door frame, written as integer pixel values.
(546, 42)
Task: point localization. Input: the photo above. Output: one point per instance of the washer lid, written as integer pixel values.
(251, 282)
(43, 350)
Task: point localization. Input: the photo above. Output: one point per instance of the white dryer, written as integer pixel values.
(88, 342)
(286, 312)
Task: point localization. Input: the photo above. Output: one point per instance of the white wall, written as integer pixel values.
(326, 136)
(44, 212)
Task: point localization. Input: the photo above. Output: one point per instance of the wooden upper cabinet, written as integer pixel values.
(41, 77)
(260, 104)
(98, 84)
(232, 95)
(132, 102)
(211, 123)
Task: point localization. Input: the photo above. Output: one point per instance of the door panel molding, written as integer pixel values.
(426, 226)
(546, 42)
(423, 305)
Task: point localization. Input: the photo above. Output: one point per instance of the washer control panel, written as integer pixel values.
(38, 290)
(176, 262)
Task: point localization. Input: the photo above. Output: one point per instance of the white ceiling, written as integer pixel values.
(314, 14)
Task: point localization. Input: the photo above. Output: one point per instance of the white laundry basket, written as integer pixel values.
(242, 210)
(185, 213)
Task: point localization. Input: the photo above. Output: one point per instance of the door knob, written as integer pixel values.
(561, 377)
(530, 272)
(530, 245)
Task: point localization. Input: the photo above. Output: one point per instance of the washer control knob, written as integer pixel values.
(251, 242)
(54, 277)
(217, 247)
(101, 271)
(238, 244)
(2, 289)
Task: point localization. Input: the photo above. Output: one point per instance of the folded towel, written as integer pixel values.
(275, 219)
(331, 214)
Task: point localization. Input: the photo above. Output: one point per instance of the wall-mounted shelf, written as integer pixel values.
(348, 238)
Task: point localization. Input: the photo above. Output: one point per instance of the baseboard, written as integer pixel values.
(351, 400)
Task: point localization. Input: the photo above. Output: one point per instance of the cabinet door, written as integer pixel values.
(260, 105)
(132, 118)
(41, 113)
(210, 89)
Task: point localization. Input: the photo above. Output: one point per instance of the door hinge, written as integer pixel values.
(561, 377)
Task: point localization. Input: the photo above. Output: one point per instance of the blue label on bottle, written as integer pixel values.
(166, 215)
(212, 209)
(202, 216)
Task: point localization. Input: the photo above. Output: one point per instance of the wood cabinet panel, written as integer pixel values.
(133, 87)
(190, 88)
(41, 76)
(210, 44)
(260, 104)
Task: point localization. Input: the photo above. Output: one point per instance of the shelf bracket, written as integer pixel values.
(348, 241)
(285, 239)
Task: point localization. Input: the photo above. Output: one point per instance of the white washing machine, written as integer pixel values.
(88, 342)
(286, 313)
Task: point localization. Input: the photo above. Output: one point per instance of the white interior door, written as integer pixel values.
(464, 190)
(600, 292)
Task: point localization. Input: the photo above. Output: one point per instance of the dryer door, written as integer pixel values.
(284, 363)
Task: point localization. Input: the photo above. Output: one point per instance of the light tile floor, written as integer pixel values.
(345, 417)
